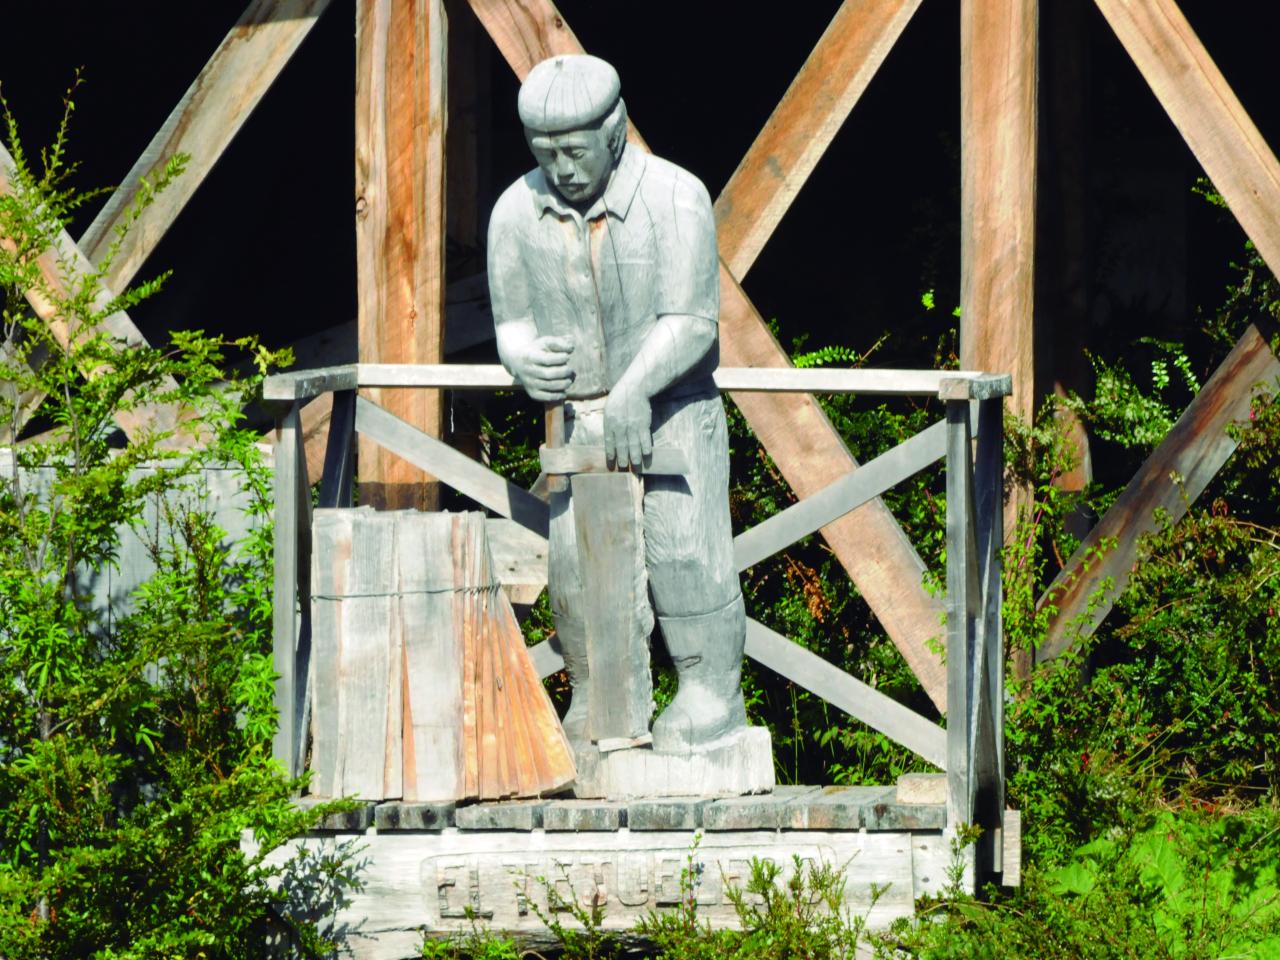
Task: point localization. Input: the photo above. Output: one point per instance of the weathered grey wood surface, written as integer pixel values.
(740, 763)
(430, 881)
(284, 602)
(962, 612)
(1194, 450)
(608, 514)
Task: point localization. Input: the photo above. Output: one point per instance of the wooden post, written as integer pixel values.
(284, 603)
(998, 196)
(400, 214)
(962, 614)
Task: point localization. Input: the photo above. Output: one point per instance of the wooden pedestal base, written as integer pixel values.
(739, 764)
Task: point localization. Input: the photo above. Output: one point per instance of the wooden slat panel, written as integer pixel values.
(433, 659)
(803, 125)
(332, 561)
(1206, 112)
(364, 658)
(400, 213)
(202, 125)
(793, 429)
(1194, 450)
(454, 468)
(998, 170)
(854, 697)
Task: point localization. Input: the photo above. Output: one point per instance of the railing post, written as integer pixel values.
(290, 466)
(962, 606)
(987, 706)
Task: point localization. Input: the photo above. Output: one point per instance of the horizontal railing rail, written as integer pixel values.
(969, 748)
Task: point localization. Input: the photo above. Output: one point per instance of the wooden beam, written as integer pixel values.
(202, 125)
(862, 702)
(998, 197)
(1202, 106)
(400, 221)
(1193, 451)
(61, 267)
(803, 125)
(808, 451)
(456, 469)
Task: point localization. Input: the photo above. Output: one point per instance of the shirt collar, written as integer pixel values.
(616, 198)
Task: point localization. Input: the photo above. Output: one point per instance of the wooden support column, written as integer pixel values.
(998, 195)
(400, 214)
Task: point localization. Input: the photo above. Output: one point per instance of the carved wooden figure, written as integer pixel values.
(604, 279)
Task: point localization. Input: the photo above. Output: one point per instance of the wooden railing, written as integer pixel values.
(970, 748)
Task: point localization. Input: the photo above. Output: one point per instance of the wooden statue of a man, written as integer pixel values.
(604, 278)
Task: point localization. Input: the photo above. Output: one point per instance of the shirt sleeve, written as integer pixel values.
(688, 259)
(509, 294)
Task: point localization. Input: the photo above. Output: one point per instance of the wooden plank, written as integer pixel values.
(962, 603)
(998, 120)
(454, 468)
(803, 124)
(840, 496)
(364, 658)
(808, 451)
(305, 384)
(284, 601)
(564, 460)
(331, 572)
(400, 221)
(433, 658)
(774, 379)
(61, 268)
(470, 668)
(1194, 450)
(860, 701)
(1206, 112)
(608, 514)
(202, 125)
(339, 457)
(302, 647)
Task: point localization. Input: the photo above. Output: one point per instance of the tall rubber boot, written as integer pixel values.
(572, 635)
(707, 652)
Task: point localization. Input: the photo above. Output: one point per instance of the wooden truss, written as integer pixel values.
(401, 120)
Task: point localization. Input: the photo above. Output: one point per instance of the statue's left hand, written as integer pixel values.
(627, 420)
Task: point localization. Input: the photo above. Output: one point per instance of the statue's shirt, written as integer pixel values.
(645, 248)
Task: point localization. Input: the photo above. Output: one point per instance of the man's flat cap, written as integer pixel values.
(568, 93)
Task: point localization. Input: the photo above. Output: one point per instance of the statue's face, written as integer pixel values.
(577, 163)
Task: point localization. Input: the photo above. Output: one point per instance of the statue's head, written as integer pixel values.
(575, 123)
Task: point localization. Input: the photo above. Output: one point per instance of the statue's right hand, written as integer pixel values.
(543, 369)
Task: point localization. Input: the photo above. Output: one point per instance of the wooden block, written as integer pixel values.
(507, 815)
(413, 816)
(1012, 849)
(562, 460)
(836, 808)
(676, 813)
(608, 513)
(887, 814)
(741, 763)
(766, 812)
(583, 815)
(922, 788)
(353, 821)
